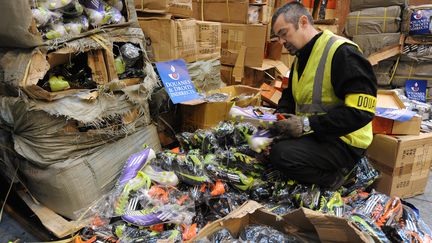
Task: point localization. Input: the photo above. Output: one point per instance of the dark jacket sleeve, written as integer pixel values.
(286, 102)
(351, 74)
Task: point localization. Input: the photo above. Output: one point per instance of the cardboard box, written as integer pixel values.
(270, 71)
(270, 94)
(116, 42)
(227, 74)
(200, 114)
(178, 8)
(169, 39)
(404, 163)
(305, 224)
(273, 50)
(229, 11)
(208, 36)
(380, 125)
(40, 63)
(236, 35)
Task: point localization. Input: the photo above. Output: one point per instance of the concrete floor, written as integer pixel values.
(424, 203)
(10, 230)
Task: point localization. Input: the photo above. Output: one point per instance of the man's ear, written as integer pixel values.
(304, 21)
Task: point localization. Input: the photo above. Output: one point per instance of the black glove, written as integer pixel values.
(292, 126)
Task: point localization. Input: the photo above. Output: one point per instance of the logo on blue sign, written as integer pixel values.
(416, 90)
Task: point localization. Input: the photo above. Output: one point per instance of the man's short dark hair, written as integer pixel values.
(292, 12)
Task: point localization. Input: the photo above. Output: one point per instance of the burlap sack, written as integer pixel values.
(357, 5)
(373, 21)
(373, 43)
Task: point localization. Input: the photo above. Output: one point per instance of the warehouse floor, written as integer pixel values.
(10, 230)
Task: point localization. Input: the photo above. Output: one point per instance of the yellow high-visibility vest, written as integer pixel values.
(313, 91)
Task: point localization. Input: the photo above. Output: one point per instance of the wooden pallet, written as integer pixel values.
(37, 219)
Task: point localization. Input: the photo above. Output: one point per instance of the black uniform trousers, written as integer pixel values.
(310, 161)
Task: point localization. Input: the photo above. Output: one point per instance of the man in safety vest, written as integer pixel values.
(328, 105)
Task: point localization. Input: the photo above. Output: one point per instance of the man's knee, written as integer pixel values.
(279, 155)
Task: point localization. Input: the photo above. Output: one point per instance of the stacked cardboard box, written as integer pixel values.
(399, 151)
(404, 163)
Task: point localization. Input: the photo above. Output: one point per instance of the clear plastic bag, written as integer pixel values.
(259, 233)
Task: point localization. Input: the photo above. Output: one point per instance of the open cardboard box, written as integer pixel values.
(307, 225)
(380, 125)
(40, 63)
(269, 71)
(110, 62)
(201, 114)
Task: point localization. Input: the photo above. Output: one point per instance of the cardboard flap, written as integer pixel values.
(328, 226)
(247, 208)
(269, 64)
(38, 67)
(298, 217)
(52, 221)
(389, 99)
(193, 102)
(238, 72)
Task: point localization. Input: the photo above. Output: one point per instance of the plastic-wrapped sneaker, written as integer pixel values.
(368, 226)
(140, 181)
(335, 205)
(190, 168)
(148, 217)
(233, 177)
(260, 140)
(392, 213)
(234, 159)
(134, 163)
(252, 115)
(161, 177)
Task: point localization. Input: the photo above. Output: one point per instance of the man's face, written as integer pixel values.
(288, 35)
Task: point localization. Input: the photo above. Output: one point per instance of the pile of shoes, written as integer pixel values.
(173, 194)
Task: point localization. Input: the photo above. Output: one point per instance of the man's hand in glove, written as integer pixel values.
(292, 126)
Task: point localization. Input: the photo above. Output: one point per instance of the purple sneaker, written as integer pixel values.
(253, 115)
(134, 163)
(260, 140)
(147, 217)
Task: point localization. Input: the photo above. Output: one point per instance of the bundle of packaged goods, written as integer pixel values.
(50, 22)
(374, 25)
(176, 195)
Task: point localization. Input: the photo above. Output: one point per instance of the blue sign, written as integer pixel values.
(420, 23)
(416, 90)
(175, 77)
(395, 114)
